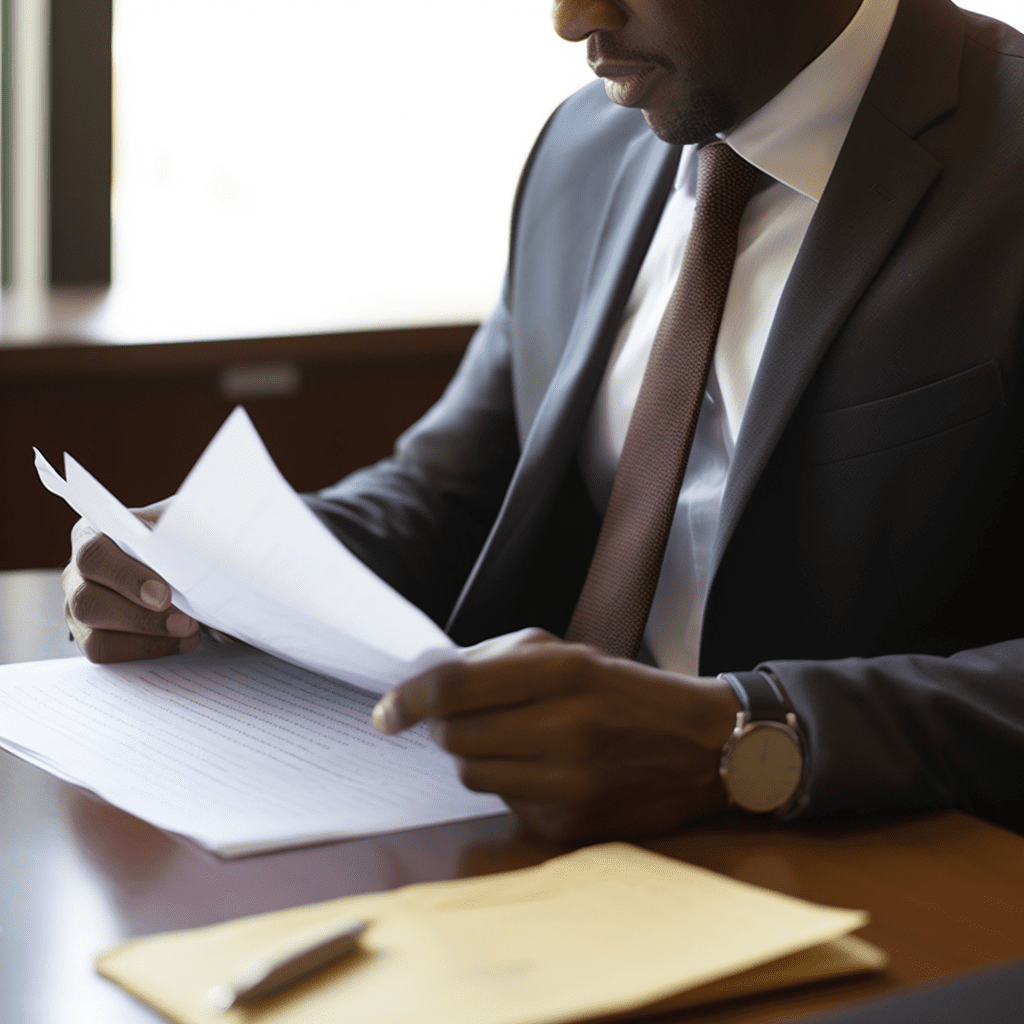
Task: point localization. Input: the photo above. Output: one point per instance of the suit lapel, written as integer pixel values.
(879, 179)
(626, 227)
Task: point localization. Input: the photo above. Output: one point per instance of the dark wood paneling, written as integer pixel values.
(141, 430)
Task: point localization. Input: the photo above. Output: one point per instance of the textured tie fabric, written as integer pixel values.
(616, 598)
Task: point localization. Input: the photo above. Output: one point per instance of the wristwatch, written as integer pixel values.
(762, 764)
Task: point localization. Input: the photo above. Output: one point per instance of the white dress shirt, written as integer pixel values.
(794, 139)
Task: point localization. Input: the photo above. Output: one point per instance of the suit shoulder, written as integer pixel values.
(991, 88)
(994, 36)
(588, 129)
(589, 110)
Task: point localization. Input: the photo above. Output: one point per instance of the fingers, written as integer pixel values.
(508, 643)
(104, 646)
(98, 607)
(534, 781)
(530, 669)
(99, 560)
(118, 609)
(577, 743)
(504, 733)
(563, 728)
(107, 627)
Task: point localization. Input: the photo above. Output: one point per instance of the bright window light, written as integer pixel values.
(310, 164)
(1010, 11)
(326, 162)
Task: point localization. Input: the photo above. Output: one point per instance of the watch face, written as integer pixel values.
(763, 766)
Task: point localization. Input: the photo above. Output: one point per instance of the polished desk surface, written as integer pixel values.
(946, 892)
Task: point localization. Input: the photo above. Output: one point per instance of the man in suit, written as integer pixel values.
(842, 566)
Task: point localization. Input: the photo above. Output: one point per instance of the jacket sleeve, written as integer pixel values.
(420, 517)
(902, 732)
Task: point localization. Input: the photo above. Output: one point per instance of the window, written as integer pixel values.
(316, 161)
(326, 162)
(1005, 10)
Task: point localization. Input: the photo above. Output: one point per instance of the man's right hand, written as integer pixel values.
(118, 609)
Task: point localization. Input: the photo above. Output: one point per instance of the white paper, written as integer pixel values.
(236, 750)
(244, 554)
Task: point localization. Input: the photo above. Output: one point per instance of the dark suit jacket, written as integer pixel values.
(873, 521)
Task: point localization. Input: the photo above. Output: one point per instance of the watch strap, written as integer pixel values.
(760, 696)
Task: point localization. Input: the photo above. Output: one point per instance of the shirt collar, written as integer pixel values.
(796, 136)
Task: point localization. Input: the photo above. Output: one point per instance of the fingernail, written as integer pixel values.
(180, 625)
(154, 593)
(385, 715)
(189, 644)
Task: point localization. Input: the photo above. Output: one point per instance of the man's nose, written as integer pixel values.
(576, 19)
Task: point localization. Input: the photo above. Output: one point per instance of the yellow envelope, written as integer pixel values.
(604, 931)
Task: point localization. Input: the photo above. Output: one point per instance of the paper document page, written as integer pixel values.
(230, 747)
(245, 555)
(608, 929)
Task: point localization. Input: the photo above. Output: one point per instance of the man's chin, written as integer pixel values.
(706, 115)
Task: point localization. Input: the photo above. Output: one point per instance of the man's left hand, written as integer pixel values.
(580, 745)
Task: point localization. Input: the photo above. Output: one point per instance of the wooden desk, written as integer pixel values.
(946, 891)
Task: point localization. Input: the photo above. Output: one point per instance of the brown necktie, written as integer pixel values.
(616, 598)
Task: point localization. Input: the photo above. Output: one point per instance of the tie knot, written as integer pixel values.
(725, 182)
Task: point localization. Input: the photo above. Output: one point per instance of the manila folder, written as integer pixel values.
(605, 931)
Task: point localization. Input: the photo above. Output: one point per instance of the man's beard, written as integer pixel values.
(707, 113)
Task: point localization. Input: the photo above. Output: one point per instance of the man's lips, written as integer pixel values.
(626, 82)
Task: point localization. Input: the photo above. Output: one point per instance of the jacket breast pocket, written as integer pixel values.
(910, 416)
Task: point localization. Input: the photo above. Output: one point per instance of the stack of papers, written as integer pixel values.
(233, 748)
(608, 930)
(236, 750)
(244, 554)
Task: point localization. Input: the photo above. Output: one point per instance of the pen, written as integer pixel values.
(289, 961)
